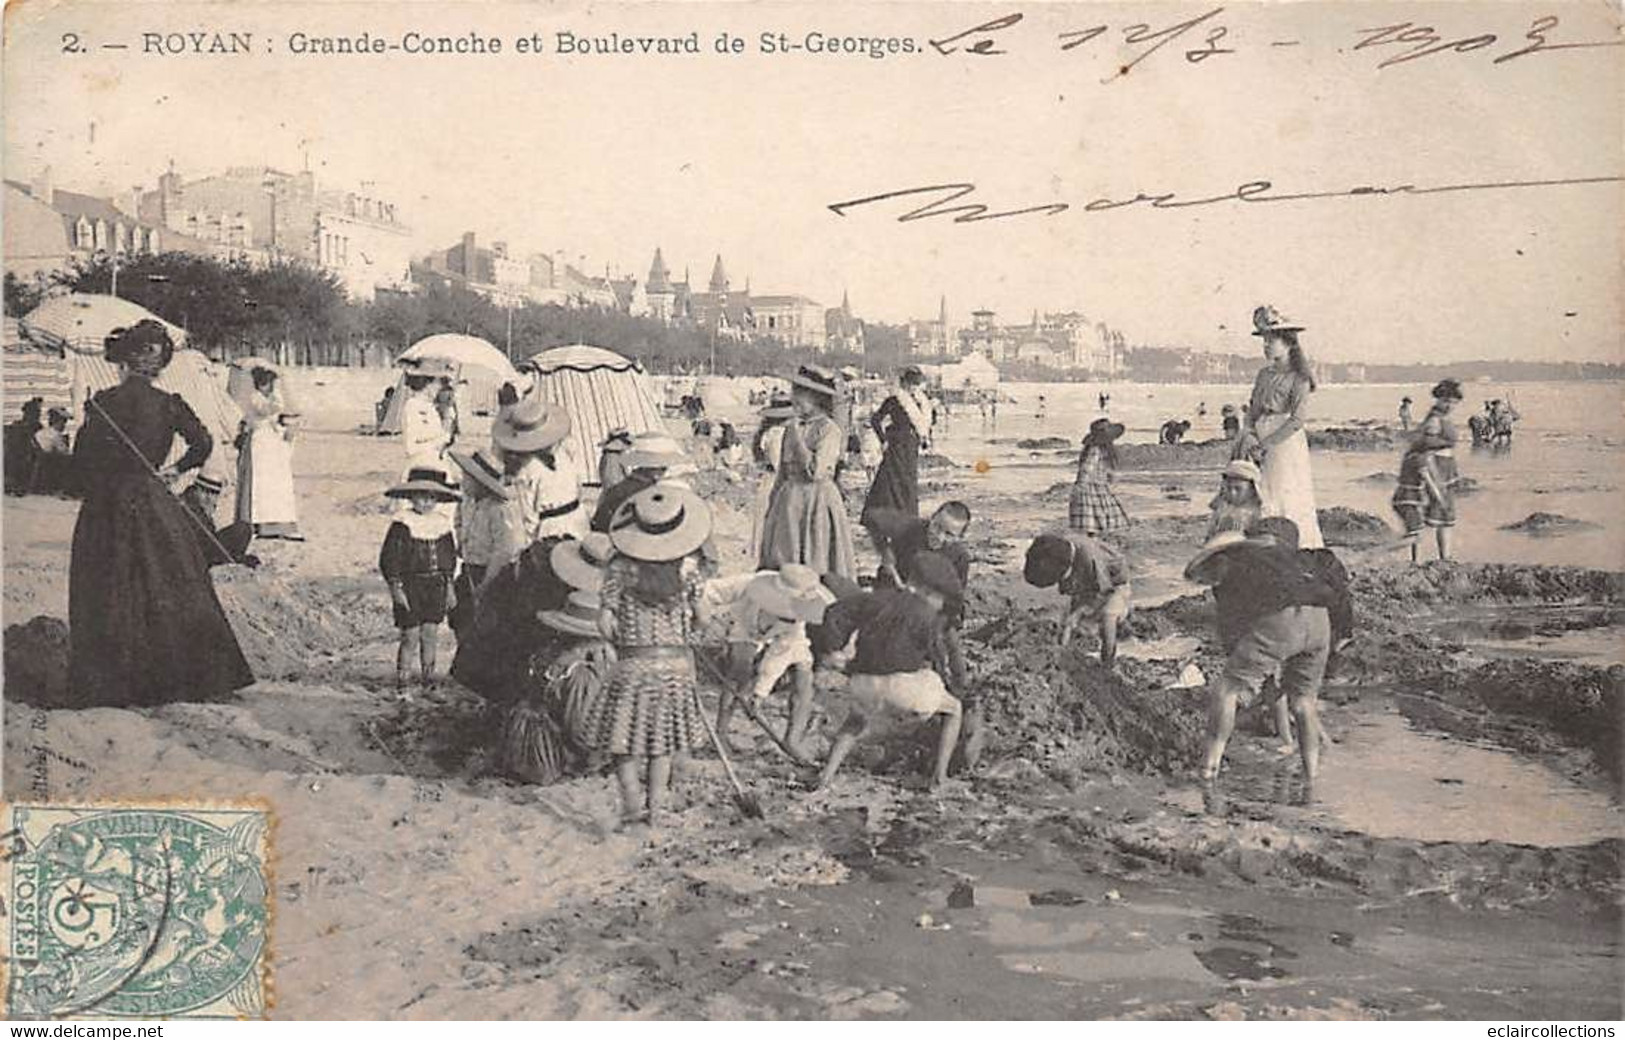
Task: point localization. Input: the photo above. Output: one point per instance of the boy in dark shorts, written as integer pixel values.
(1091, 575)
(1273, 616)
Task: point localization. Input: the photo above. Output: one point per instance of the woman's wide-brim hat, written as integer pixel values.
(1199, 569)
(1267, 320)
(425, 480)
(1448, 388)
(481, 469)
(531, 425)
(818, 380)
(1228, 409)
(665, 522)
(580, 563)
(1244, 469)
(436, 367)
(578, 616)
(1105, 429)
(792, 593)
(780, 407)
(653, 451)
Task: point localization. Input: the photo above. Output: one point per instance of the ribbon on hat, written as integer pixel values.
(631, 519)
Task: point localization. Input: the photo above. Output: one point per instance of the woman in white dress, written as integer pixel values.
(769, 444)
(423, 435)
(265, 496)
(1274, 437)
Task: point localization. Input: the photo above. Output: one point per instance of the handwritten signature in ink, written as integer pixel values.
(949, 200)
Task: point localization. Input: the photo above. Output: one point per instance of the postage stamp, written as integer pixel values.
(115, 911)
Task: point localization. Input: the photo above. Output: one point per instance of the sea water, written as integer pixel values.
(1565, 456)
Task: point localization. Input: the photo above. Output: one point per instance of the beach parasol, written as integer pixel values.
(82, 321)
(466, 352)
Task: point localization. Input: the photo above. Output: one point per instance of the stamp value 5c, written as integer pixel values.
(119, 911)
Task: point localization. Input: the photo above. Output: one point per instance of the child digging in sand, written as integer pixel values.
(648, 716)
(774, 610)
(895, 673)
(1093, 578)
(419, 561)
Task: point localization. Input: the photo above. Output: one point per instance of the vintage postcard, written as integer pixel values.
(762, 510)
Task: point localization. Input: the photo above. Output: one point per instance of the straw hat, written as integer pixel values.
(436, 367)
(1197, 570)
(1274, 530)
(1105, 429)
(780, 407)
(481, 469)
(1448, 388)
(1267, 320)
(792, 593)
(617, 440)
(818, 380)
(580, 563)
(425, 480)
(1048, 559)
(579, 616)
(665, 522)
(1228, 409)
(1244, 469)
(653, 451)
(211, 485)
(530, 425)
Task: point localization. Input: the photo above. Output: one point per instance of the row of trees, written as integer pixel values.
(299, 315)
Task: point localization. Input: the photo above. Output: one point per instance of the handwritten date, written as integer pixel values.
(1205, 36)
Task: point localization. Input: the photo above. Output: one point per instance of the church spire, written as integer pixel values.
(719, 277)
(659, 276)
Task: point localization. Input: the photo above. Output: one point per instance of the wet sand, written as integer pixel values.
(1471, 798)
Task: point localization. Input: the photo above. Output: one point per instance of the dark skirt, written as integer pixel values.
(145, 625)
(1426, 495)
(897, 479)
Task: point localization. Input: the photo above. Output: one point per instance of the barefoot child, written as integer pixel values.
(1272, 614)
(1091, 575)
(1237, 504)
(1426, 495)
(419, 561)
(895, 672)
(774, 610)
(649, 712)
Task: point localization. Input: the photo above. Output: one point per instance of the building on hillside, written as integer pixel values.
(554, 281)
(843, 333)
(933, 338)
(660, 292)
(260, 214)
(487, 272)
(719, 310)
(48, 228)
(793, 320)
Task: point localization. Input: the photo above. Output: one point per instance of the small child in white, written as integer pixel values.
(772, 613)
(1237, 505)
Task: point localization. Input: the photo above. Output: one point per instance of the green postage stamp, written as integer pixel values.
(120, 911)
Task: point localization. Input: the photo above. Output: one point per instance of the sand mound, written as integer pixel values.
(1351, 528)
(1201, 455)
(36, 662)
(1378, 592)
(1547, 525)
(290, 628)
(1354, 438)
(1043, 443)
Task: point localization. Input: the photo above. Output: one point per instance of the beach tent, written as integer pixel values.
(29, 372)
(76, 326)
(481, 371)
(601, 390)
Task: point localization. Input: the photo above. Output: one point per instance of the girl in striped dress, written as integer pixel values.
(1093, 507)
(1428, 475)
(649, 712)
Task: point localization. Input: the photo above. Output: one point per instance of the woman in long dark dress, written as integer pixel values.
(145, 626)
(903, 424)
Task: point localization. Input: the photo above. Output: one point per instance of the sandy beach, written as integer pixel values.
(1463, 859)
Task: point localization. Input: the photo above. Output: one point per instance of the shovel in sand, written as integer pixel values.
(752, 712)
(747, 802)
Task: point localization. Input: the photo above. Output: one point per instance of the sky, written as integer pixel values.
(605, 157)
